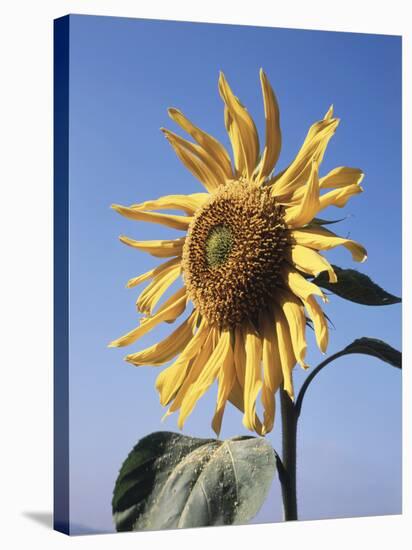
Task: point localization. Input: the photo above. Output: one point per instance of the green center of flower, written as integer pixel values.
(218, 245)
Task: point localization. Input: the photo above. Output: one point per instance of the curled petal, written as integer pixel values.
(294, 312)
(152, 273)
(162, 352)
(273, 135)
(312, 149)
(319, 322)
(342, 176)
(253, 378)
(187, 203)
(243, 133)
(339, 197)
(286, 354)
(309, 261)
(211, 145)
(170, 380)
(188, 155)
(160, 249)
(329, 113)
(172, 309)
(297, 216)
(320, 238)
(300, 286)
(219, 358)
(215, 175)
(272, 370)
(154, 291)
(170, 220)
(195, 368)
(226, 380)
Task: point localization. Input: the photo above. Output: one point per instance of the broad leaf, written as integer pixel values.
(366, 346)
(356, 287)
(172, 481)
(376, 348)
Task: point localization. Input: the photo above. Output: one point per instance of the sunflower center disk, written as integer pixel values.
(233, 252)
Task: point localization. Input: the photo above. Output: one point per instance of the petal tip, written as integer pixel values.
(167, 413)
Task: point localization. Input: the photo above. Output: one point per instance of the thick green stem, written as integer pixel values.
(289, 433)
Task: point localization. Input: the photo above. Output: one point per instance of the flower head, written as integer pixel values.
(251, 245)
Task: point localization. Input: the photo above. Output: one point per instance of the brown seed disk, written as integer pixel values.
(237, 289)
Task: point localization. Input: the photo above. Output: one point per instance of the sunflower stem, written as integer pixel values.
(289, 433)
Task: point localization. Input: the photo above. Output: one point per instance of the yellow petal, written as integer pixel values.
(154, 291)
(329, 113)
(162, 352)
(311, 262)
(210, 178)
(339, 197)
(169, 318)
(226, 379)
(169, 381)
(198, 361)
(171, 310)
(291, 191)
(253, 377)
(237, 393)
(272, 371)
(300, 286)
(151, 273)
(213, 147)
(320, 238)
(319, 323)
(215, 176)
(170, 220)
(238, 157)
(297, 216)
(342, 176)
(312, 149)
(219, 358)
(236, 396)
(287, 357)
(240, 355)
(160, 249)
(337, 178)
(295, 316)
(187, 203)
(273, 135)
(247, 142)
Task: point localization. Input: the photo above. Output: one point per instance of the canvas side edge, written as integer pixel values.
(61, 497)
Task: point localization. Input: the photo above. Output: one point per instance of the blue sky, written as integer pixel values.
(124, 74)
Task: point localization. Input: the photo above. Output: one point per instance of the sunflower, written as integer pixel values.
(251, 246)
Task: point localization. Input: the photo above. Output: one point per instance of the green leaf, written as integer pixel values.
(356, 287)
(320, 221)
(367, 346)
(171, 481)
(376, 348)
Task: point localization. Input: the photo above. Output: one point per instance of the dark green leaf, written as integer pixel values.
(376, 348)
(367, 346)
(356, 287)
(170, 481)
(320, 221)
